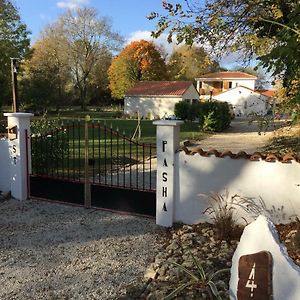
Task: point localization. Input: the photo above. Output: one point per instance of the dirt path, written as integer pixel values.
(239, 137)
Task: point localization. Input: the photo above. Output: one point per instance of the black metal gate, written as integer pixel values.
(91, 164)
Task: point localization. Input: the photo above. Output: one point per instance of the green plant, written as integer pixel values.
(222, 212)
(209, 122)
(49, 144)
(199, 279)
(216, 116)
(181, 110)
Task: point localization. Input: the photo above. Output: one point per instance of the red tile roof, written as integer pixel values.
(159, 88)
(268, 93)
(227, 75)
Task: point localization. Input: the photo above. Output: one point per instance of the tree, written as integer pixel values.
(46, 73)
(87, 39)
(267, 29)
(186, 63)
(138, 61)
(14, 42)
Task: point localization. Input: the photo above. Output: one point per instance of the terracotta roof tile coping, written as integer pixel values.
(256, 156)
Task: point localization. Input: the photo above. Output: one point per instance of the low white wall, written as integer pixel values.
(277, 183)
(4, 166)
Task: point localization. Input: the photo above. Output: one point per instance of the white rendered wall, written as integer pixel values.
(277, 183)
(4, 166)
(153, 107)
(256, 103)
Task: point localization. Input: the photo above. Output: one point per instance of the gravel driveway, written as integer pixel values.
(239, 137)
(52, 251)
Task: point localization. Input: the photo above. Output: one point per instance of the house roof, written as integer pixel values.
(159, 88)
(227, 75)
(264, 93)
(268, 93)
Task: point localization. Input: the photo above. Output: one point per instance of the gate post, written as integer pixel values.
(20, 153)
(167, 141)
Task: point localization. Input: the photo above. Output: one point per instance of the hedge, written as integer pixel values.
(212, 116)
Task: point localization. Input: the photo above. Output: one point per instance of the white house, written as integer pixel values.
(156, 99)
(212, 84)
(236, 88)
(245, 101)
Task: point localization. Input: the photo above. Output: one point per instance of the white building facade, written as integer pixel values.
(157, 99)
(245, 101)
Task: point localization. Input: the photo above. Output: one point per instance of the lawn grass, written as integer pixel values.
(188, 131)
(110, 148)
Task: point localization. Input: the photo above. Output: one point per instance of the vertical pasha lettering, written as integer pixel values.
(164, 176)
(14, 149)
(164, 143)
(165, 191)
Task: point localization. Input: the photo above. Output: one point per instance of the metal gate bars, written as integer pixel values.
(94, 162)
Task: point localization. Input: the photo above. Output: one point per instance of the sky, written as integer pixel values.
(128, 18)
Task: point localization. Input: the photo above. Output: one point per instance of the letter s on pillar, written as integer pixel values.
(164, 176)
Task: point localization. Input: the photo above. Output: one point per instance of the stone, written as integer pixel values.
(261, 235)
(150, 272)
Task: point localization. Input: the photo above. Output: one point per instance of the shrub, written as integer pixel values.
(181, 110)
(49, 144)
(217, 114)
(213, 116)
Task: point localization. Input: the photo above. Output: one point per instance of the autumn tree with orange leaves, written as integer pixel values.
(138, 61)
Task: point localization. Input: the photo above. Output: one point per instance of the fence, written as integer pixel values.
(79, 150)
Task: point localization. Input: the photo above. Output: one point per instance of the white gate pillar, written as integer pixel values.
(20, 153)
(167, 141)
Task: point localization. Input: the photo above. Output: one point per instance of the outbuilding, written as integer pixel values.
(245, 101)
(157, 99)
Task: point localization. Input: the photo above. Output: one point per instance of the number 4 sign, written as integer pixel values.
(250, 283)
(255, 276)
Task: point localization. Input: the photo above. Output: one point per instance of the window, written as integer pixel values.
(245, 105)
(230, 84)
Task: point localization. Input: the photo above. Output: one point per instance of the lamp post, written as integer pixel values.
(14, 74)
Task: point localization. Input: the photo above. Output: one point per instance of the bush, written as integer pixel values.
(49, 144)
(181, 110)
(214, 116)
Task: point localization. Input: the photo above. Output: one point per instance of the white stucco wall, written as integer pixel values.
(4, 166)
(245, 101)
(153, 107)
(277, 183)
(156, 106)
